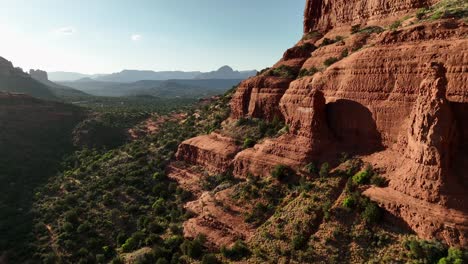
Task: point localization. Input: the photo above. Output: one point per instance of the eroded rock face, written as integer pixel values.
(380, 97)
(213, 151)
(259, 96)
(323, 15)
(304, 111)
(430, 141)
(423, 191)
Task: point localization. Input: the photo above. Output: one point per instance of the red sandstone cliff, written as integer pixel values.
(397, 98)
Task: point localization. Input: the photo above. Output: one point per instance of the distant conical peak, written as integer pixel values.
(225, 68)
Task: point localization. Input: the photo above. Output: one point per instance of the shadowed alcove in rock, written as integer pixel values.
(353, 126)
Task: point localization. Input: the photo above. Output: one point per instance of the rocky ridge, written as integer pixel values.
(388, 94)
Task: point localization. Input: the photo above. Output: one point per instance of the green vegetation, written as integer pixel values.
(307, 72)
(327, 41)
(210, 259)
(454, 256)
(444, 9)
(307, 47)
(282, 173)
(311, 168)
(299, 241)
(263, 71)
(237, 252)
(195, 248)
(248, 131)
(33, 139)
(395, 25)
(103, 202)
(330, 61)
(266, 193)
(421, 251)
(368, 175)
(283, 71)
(362, 177)
(311, 35)
(324, 170)
(372, 213)
(367, 30)
(248, 143)
(349, 202)
(355, 29)
(211, 182)
(344, 54)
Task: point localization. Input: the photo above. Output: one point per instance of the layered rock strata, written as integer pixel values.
(379, 98)
(214, 152)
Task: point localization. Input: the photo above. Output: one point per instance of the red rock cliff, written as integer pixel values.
(380, 100)
(323, 15)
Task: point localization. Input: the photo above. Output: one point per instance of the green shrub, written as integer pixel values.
(425, 251)
(83, 228)
(193, 249)
(299, 241)
(211, 182)
(307, 72)
(311, 168)
(263, 71)
(362, 177)
(210, 259)
(355, 29)
(344, 53)
(282, 172)
(349, 202)
(162, 261)
(324, 170)
(338, 38)
(283, 71)
(395, 25)
(372, 29)
(237, 252)
(326, 41)
(378, 181)
(330, 61)
(307, 47)
(437, 15)
(455, 256)
(421, 13)
(129, 245)
(372, 213)
(248, 143)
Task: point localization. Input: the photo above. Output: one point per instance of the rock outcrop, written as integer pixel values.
(213, 151)
(16, 81)
(304, 111)
(324, 15)
(430, 146)
(39, 75)
(370, 94)
(424, 191)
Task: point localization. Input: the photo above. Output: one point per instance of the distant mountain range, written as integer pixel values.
(129, 76)
(59, 90)
(126, 83)
(14, 80)
(164, 89)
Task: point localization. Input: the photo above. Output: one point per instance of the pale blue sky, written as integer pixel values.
(102, 36)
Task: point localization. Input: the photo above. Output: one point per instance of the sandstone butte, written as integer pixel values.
(398, 100)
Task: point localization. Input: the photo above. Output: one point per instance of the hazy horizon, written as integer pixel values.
(109, 36)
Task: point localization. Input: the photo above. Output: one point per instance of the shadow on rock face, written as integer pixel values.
(460, 163)
(353, 126)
